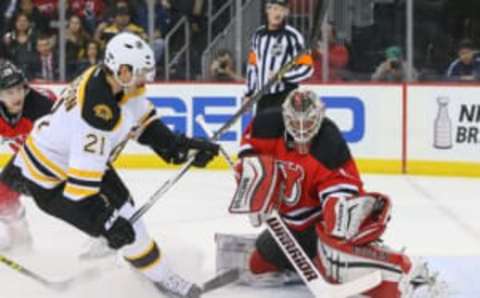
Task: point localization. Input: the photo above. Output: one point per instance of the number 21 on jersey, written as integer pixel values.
(94, 144)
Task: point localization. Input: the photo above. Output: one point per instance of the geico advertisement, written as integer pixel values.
(368, 116)
(444, 123)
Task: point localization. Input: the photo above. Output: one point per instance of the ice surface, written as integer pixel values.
(434, 217)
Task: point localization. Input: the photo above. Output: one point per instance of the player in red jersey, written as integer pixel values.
(296, 161)
(20, 106)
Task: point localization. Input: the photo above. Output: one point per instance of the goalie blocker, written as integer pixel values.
(296, 162)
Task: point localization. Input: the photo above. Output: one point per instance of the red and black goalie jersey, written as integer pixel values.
(328, 170)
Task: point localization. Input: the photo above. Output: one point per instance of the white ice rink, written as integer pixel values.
(434, 217)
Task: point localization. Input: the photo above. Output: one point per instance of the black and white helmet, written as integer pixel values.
(303, 113)
(129, 49)
(10, 75)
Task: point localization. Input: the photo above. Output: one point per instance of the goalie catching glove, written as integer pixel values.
(359, 220)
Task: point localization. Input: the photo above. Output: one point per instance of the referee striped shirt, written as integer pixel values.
(269, 51)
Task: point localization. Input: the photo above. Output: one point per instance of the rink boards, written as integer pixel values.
(416, 129)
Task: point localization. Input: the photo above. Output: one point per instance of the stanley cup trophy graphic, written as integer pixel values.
(442, 137)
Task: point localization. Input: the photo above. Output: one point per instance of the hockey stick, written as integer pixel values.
(307, 270)
(221, 280)
(201, 121)
(320, 13)
(59, 286)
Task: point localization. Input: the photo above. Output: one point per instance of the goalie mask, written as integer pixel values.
(303, 113)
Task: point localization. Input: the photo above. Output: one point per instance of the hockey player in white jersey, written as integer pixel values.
(67, 159)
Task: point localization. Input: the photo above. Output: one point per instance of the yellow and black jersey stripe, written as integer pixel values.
(147, 259)
(81, 184)
(41, 169)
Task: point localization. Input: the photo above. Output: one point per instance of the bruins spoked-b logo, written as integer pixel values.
(103, 111)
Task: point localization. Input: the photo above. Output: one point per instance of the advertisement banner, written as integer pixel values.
(370, 117)
(444, 129)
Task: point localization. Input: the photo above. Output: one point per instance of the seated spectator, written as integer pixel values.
(467, 66)
(20, 42)
(89, 10)
(222, 67)
(76, 42)
(47, 8)
(93, 56)
(393, 68)
(44, 67)
(40, 22)
(121, 22)
(338, 58)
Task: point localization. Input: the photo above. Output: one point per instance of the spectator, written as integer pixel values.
(338, 58)
(467, 66)
(93, 56)
(47, 8)
(394, 68)
(7, 11)
(121, 22)
(44, 67)
(165, 18)
(89, 10)
(20, 42)
(222, 67)
(76, 42)
(40, 23)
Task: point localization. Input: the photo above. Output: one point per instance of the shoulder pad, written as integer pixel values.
(329, 147)
(268, 124)
(100, 109)
(36, 105)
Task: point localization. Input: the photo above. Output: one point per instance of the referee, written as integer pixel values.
(272, 46)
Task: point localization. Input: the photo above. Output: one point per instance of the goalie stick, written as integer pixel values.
(301, 262)
(220, 280)
(319, 18)
(307, 270)
(60, 285)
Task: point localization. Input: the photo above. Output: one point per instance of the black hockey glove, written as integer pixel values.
(206, 150)
(118, 231)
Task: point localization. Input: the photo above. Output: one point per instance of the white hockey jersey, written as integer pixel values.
(87, 128)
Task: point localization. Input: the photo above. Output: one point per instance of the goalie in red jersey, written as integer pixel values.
(20, 106)
(295, 161)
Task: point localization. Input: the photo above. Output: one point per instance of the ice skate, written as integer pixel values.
(15, 233)
(422, 282)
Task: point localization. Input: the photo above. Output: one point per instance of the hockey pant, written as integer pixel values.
(269, 257)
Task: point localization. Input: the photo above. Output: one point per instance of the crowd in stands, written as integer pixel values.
(29, 30)
(445, 42)
(446, 36)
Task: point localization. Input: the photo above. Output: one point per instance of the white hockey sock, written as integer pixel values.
(144, 254)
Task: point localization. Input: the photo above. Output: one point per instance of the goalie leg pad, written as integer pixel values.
(233, 251)
(238, 251)
(341, 262)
